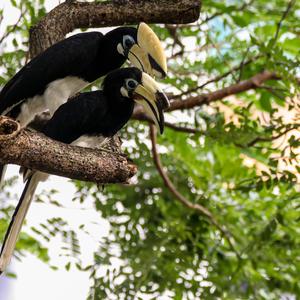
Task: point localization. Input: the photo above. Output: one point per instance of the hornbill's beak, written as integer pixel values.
(148, 53)
(153, 99)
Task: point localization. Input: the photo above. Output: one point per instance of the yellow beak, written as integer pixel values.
(148, 53)
(153, 99)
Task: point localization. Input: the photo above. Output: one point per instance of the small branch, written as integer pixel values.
(35, 151)
(13, 28)
(194, 206)
(251, 83)
(207, 19)
(242, 64)
(183, 128)
(71, 15)
(217, 14)
(284, 15)
(174, 34)
(220, 55)
(272, 138)
(219, 77)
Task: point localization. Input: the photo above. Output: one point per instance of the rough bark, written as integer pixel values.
(71, 15)
(36, 151)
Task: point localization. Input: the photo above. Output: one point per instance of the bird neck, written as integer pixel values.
(121, 106)
(108, 57)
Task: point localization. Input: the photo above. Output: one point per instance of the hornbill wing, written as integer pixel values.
(70, 57)
(77, 117)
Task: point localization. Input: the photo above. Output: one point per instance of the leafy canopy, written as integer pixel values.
(241, 164)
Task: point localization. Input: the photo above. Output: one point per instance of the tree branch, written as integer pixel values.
(36, 151)
(270, 139)
(13, 28)
(251, 83)
(194, 206)
(71, 15)
(184, 129)
(284, 15)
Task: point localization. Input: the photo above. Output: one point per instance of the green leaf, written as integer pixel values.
(265, 101)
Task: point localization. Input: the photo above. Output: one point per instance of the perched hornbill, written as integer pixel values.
(65, 68)
(84, 121)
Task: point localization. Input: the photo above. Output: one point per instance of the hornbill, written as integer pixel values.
(83, 121)
(65, 68)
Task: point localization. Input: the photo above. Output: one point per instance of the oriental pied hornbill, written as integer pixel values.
(65, 68)
(84, 121)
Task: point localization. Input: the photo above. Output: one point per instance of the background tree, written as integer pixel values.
(213, 212)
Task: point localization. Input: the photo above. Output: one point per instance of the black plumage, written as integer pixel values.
(65, 68)
(87, 56)
(76, 62)
(105, 111)
(82, 121)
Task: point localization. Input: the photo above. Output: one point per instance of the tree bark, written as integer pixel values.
(71, 15)
(36, 151)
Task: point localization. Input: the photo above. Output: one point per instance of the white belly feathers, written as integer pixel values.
(90, 141)
(56, 93)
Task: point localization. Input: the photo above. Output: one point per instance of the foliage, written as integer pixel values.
(241, 164)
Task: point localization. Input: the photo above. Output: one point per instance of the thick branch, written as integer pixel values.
(35, 151)
(71, 15)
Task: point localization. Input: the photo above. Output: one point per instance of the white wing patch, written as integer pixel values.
(56, 94)
(90, 141)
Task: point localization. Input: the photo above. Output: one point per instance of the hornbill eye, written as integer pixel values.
(128, 41)
(131, 84)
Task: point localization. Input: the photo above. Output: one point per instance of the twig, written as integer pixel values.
(12, 29)
(173, 32)
(183, 128)
(219, 77)
(242, 64)
(194, 206)
(284, 15)
(252, 83)
(269, 139)
(215, 46)
(245, 85)
(217, 14)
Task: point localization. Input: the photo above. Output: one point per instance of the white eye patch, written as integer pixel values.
(120, 49)
(124, 92)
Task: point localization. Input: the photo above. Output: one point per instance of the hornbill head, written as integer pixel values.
(143, 48)
(133, 84)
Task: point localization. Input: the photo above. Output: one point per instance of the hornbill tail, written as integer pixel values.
(2, 174)
(17, 220)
